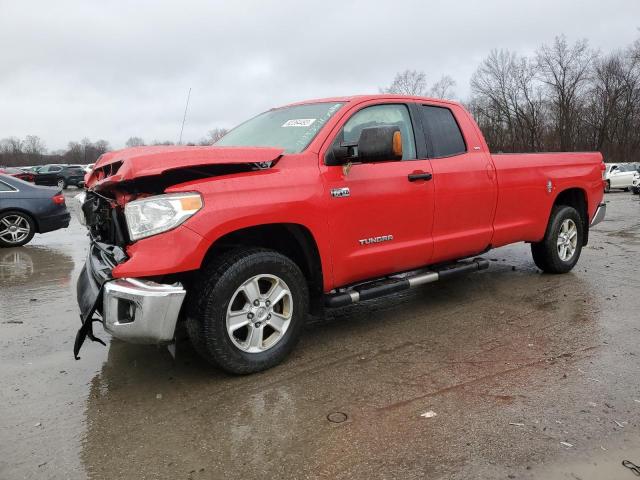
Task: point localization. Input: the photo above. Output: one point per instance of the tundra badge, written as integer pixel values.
(383, 238)
(340, 192)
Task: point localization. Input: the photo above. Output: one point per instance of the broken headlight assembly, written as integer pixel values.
(160, 213)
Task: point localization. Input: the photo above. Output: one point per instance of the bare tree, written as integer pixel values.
(409, 82)
(86, 151)
(443, 88)
(134, 142)
(33, 145)
(11, 146)
(213, 136)
(566, 70)
(508, 102)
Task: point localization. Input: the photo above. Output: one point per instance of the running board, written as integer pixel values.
(393, 285)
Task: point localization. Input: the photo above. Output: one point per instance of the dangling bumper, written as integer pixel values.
(133, 310)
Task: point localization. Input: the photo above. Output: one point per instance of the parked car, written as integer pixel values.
(27, 209)
(61, 176)
(619, 176)
(313, 205)
(18, 173)
(635, 184)
(88, 168)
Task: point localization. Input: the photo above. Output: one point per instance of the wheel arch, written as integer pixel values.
(577, 198)
(293, 240)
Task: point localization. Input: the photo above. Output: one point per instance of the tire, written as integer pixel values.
(62, 183)
(220, 300)
(16, 228)
(548, 254)
(607, 187)
(635, 190)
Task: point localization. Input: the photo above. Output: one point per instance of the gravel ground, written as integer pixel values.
(507, 373)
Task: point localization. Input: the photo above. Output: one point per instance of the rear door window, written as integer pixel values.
(443, 135)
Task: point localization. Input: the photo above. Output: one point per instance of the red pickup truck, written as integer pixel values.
(316, 204)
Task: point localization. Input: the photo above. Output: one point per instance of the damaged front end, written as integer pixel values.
(121, 188)
(134, 310)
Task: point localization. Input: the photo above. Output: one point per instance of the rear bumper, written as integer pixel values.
(54, 222)
(601, 212)
(133, 310)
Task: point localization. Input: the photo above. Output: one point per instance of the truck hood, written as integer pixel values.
(137, 162)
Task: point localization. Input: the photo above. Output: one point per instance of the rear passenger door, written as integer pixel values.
(464, 180)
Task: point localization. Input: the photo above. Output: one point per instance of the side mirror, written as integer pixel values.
(376, 144)
(380, 143)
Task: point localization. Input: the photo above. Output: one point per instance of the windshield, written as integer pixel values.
(291, 128)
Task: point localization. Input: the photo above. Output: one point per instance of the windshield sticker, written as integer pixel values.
(299, 122)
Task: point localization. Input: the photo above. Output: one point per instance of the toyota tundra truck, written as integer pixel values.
(314, 205)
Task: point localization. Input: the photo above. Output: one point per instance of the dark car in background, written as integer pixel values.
(61, 176)
(27, 209)
(18, 173)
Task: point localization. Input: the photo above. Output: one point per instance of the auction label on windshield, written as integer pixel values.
(299, 122)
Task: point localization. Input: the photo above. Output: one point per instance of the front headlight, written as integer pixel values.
(152, 215)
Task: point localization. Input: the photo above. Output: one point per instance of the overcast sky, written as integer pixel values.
(115, 69)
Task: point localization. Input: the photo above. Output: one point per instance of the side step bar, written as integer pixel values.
(394, 285)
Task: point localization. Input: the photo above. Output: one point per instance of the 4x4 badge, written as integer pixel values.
(340, 192)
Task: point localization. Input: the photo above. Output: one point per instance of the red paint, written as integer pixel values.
(147, 161)
(474, 201)
(14, 172)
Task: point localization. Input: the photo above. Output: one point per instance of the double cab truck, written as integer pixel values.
(314, 205)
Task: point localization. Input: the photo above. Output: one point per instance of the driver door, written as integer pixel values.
(380, 218)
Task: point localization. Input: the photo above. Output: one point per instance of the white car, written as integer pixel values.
(635, 186)
(619, 176)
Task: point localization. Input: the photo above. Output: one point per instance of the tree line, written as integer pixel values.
(563, 97)
(17, 152)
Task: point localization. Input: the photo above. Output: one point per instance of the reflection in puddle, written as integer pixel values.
(35, 265)
(15, 265)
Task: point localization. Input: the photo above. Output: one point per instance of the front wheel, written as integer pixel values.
(62, 183)
(559, 250)
(247, 309)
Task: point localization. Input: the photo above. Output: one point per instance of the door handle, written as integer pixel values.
(414, 177)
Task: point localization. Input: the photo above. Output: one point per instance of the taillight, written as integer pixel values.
(603, 167)
(58, 199)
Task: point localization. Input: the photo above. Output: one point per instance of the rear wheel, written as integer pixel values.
(247, 310)
(560, 249)
(16, 229)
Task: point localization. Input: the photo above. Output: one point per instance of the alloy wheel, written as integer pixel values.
(14, 228)
(259, 313)
(567, 240)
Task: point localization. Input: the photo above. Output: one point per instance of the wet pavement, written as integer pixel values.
(529, 376)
